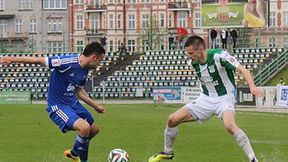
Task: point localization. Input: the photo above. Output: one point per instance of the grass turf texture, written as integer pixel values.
(27, 135)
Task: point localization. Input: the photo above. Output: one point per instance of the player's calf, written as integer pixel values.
(231, 127)
(244, 143)
(94, 130)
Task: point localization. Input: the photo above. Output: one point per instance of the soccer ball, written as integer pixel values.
(118, 155)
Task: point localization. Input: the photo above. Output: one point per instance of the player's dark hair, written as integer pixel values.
(94, 48)
(195, 41)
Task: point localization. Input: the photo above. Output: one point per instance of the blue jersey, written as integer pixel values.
(66, 75)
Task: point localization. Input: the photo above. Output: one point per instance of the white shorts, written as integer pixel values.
(204, 106)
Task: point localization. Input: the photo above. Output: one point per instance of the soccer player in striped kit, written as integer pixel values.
(215, 69)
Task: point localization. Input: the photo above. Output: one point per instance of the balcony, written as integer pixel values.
(12, 36)
(95, 8)
(95, 32)
(7, 16)
(178, 6)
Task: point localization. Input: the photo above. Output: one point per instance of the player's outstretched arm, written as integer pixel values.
(248, 77)
(82, 94)
(6, 60)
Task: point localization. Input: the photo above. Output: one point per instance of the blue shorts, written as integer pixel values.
(65, 115)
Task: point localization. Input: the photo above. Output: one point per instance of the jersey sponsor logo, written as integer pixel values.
(55, 62)
(72, 74)
(211, 69)
(208, 80)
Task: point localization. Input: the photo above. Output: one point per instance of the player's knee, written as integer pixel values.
(231, 127)
(85, 129)
(172, 121)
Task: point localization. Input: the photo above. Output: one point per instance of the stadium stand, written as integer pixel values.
(121, 75)
(170, 68)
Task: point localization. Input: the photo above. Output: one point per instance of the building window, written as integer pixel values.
(55, 46)
(18, 26)
(25, 4)
(94, 23)
(79, 22)
(145, 45)
(2, 4)
(162, 20)
(272, 42)
(285, 19)
(197, 19)
(170, 22)
(94, 2)
(79, 2)
(111, 1)
(131, 45)
(132, 1)
(111, 45)
(272, 19)
(182, 19)
(3, 27)
(145, 21)
(54, 4)
(131, 21)
(54, 25)
(111, 21)
(79, 46)
(33, 26)
(119, 21)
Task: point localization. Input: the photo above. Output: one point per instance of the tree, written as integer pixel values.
(152, 34)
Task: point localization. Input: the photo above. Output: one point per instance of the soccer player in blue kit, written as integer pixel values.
(68, 75)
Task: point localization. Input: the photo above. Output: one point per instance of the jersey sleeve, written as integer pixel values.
(82, 83)
(61, 63)
(229, 61)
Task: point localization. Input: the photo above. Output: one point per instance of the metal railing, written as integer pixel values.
(270, 70)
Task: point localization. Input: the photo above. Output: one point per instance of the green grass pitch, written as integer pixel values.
(27, 135)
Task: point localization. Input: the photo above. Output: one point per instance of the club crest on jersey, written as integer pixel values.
(70, 87)
(55, 62)
(211, 69)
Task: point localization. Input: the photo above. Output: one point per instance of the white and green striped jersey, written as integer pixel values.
(217, 74)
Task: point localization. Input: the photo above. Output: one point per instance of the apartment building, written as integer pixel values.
(33, 25)
(141, 24)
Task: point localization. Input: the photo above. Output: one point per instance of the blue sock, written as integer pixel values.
(74, 151)
(82, 145)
